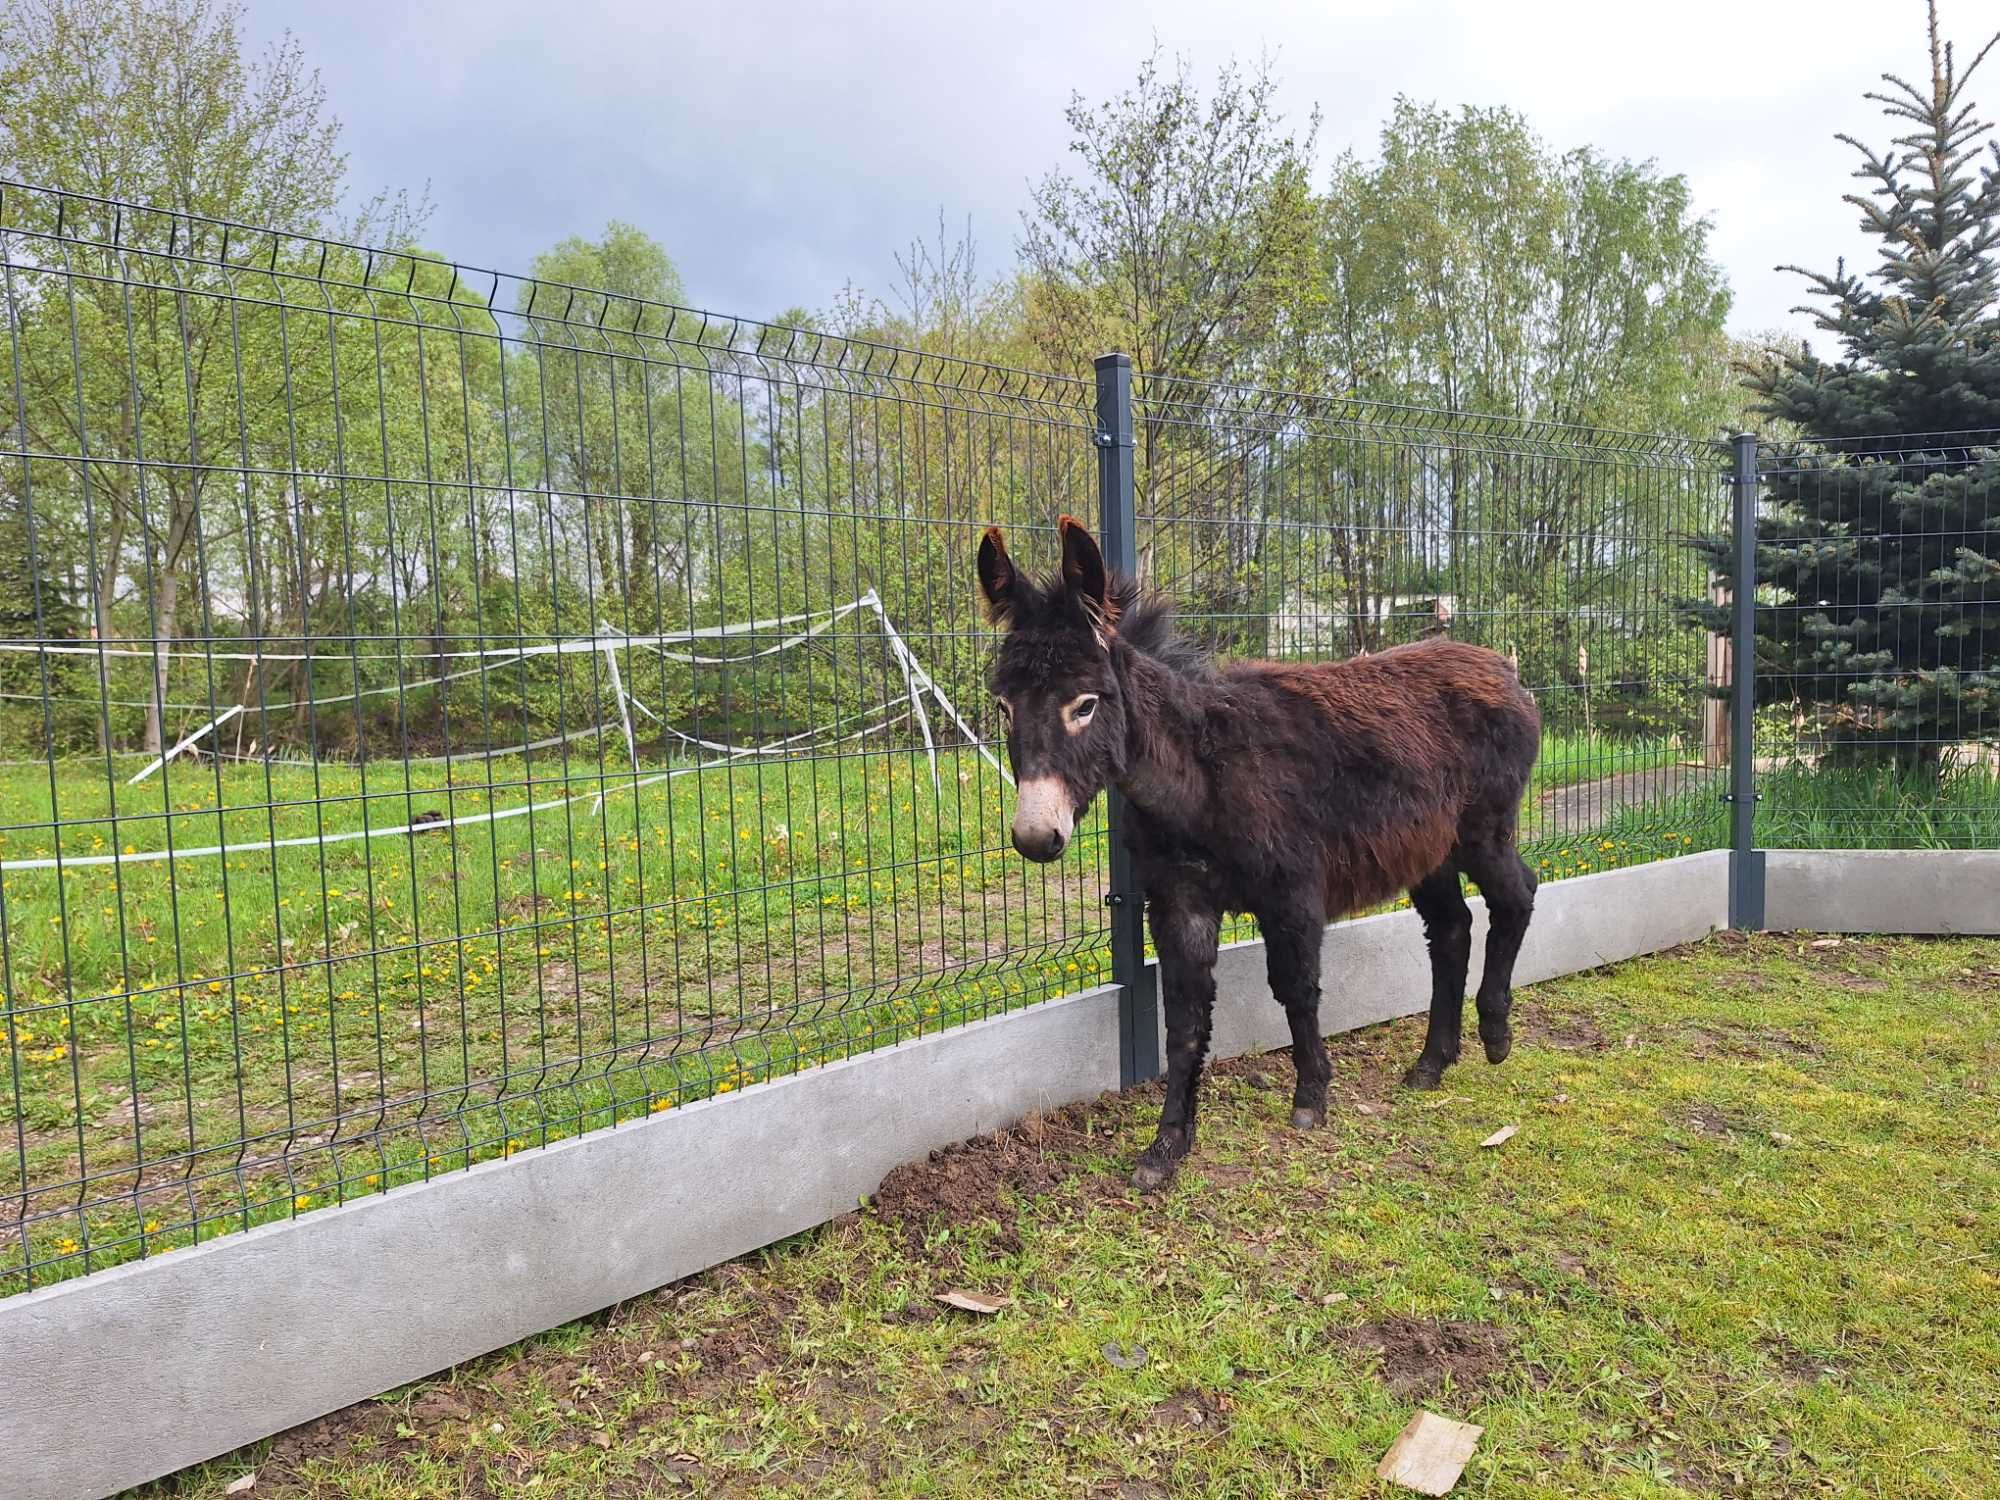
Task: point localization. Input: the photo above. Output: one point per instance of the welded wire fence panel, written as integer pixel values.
(1878, 643)
(1311, 529)
(445, 711)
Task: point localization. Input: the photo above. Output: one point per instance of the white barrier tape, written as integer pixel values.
(573, 647)
(929, 684)
(213, 724)
(776, 747)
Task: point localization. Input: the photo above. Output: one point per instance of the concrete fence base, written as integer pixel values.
(1882, 890)
(257, 1332)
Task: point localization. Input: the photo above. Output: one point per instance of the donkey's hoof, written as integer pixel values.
(1152, 1176)
(1307, 1118)
(1497, 1047)
(1425, 1076)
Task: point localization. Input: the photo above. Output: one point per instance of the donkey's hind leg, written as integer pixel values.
(1508, 885)
(1448, 931)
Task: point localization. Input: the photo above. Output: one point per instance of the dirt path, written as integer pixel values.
(1586, 805)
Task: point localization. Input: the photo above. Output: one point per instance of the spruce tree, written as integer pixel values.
(1878, 556)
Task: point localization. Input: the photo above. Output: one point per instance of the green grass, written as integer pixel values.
(1742, 1244)
(543, 975)
(1803, 808)
(1879, 808)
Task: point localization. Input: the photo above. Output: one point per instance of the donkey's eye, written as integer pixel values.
(1085, 709)
(1079, 711)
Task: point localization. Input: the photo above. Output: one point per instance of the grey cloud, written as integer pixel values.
(779, 151)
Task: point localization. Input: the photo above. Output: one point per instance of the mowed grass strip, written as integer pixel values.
(1741, 1244)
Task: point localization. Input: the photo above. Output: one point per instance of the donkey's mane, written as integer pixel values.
(1146, 624)
(1142, 617)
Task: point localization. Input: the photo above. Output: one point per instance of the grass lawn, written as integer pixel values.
(1742, 1244)
(194, 1045)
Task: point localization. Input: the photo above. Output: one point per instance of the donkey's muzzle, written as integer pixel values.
(1040, 847)
(1044, 818)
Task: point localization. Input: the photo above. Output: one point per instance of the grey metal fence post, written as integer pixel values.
(1118, 526)
(1746, 861)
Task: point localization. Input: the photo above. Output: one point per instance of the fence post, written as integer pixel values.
(1746, 861)
(1118, 526)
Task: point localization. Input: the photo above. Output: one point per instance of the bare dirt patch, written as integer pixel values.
(1838, 952)
(1224, 1174)
(1190, 1411)
(1706, 1119)
(1860, 984)
(1744, 979)
(1796, 1366)
(738, 1351)
(1981, 979)
(1563, 1031)
(370, 1427)
(1419, 1357)
(1761, 1042)
(977, 1182)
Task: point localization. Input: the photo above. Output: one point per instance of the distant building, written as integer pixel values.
(1307, 627)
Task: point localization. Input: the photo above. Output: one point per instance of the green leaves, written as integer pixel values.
(1474, 267)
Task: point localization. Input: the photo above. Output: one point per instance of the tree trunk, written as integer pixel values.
(166, 605)
(103, 592)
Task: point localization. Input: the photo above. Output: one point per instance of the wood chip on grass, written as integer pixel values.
(1429, 1454)
(1501, 1136)
(974, 1302)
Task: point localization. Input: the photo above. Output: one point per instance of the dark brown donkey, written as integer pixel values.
(1296, 793)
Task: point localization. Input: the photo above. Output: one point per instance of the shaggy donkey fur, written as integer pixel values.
(1294, 792)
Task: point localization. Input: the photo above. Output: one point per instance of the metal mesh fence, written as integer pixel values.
(445, 711)
(1878, 643)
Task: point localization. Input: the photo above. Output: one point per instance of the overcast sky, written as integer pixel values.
(780, 151)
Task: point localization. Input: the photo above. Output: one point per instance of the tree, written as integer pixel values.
(1878, 559)
(592, 373)
(1473, 267)
(1185, 240)
(152, 102)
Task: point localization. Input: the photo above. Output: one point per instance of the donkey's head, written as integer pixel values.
(1057, 693)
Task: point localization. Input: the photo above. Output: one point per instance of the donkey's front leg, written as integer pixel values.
(1184, 931)
(1293, 935)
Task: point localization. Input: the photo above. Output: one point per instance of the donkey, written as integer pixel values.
(1296, 793)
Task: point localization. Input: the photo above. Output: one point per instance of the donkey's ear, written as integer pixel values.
(997, 579)
(1084, 575)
